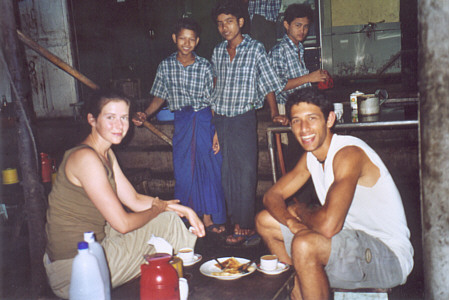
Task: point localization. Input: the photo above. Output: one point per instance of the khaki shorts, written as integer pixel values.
(357, 260)
(124, 252)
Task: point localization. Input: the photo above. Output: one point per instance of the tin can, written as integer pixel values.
(353, 99)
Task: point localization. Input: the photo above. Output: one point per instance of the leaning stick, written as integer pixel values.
(75, 73)
(157, 132)
(56, 60)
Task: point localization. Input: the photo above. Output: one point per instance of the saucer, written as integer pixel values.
(196, 258)
(281, 267)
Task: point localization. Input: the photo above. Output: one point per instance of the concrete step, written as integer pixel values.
(162, 184)
(159, 158)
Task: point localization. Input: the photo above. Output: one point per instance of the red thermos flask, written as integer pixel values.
(159, 280)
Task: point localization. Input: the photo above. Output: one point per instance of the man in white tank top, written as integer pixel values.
(358, 238)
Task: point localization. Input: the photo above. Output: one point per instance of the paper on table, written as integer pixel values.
(161, 245)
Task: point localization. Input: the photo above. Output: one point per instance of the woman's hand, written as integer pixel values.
(194, 220)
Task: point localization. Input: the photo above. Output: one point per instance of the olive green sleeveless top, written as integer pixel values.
(70, 213)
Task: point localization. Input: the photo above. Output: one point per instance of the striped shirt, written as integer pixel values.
(184, 86)
(287, 60)
(265, 8)
(242, 83)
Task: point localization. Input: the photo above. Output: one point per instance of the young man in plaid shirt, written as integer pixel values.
(287, 56)
(244, 78)
(185, 81)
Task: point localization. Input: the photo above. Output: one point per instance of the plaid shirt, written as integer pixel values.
(266, 8)
(243, 83)
(287, 60)
(184, 86)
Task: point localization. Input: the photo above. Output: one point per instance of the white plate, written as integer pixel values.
(209, 267)
(196, 258)
(281, 267)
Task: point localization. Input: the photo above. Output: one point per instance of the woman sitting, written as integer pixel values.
(89, 194)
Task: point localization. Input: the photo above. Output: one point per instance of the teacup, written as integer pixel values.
(269, 262)
(186, 254)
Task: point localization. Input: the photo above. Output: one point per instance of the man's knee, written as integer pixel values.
(306, 246)
(261, 220)
(266, 224)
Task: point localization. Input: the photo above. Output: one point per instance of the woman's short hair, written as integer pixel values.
(99, 98)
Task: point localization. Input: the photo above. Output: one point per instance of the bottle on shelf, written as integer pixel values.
(97, 250)
(86, 281)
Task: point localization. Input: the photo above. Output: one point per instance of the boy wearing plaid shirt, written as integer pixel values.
(287, 56)
(244, 78)
(185, 81)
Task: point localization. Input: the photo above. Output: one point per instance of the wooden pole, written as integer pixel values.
(71, 71)
(56, 60)
(34, 197)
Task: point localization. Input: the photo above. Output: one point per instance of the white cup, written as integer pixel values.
(338, 109)
(269, 262)
(183, 289)
(186, 254)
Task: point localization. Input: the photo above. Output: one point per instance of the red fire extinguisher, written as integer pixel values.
(47, 166)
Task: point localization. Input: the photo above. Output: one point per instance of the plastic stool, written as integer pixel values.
(361, 294)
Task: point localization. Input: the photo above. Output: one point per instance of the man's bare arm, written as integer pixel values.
(316, 76)
(274, 198)
(349, 165)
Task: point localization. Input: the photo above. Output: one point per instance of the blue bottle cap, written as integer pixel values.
(83, 245)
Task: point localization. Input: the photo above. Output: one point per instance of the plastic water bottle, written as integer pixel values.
(86, 281)
(96, 249)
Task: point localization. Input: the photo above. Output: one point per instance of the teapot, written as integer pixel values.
(369, 104)
(159, 280)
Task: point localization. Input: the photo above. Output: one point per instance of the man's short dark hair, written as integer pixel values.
(298, 10)
(187, 23)
(228, 7)
(309, 95)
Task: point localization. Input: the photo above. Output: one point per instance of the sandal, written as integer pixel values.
(216, 229)
(246, 240)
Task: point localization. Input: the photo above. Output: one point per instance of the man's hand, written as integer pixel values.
(318, 76)
(139, 118)
(194, 220)
(215, 144)
(280, 119)
(295, 225)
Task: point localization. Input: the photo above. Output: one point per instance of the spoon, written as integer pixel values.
(219, 263)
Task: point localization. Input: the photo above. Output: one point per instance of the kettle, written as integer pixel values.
(159, 280)
(370, 104)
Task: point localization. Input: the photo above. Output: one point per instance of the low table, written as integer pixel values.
(254, 286)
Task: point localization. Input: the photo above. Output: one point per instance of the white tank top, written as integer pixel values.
(376, 210)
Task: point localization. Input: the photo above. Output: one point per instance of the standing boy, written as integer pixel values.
(244, 78)
(287, 56)
(185, 81)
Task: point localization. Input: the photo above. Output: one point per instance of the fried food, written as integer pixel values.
(231, 267)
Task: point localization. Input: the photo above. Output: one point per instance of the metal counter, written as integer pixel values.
(394, 114)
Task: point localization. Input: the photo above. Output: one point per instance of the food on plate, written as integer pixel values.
(231, 267)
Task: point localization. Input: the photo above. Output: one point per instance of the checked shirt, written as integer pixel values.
(243, 83)
(287, 60)
(265, 8)
(184, 86)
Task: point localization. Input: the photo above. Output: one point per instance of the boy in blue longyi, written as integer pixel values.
(185, 81)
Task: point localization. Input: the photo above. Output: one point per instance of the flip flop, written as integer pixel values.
(214, 228)
(247, 241)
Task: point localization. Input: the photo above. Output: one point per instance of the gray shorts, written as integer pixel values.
(357, 260)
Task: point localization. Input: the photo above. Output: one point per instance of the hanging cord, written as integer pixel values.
(22, 110)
